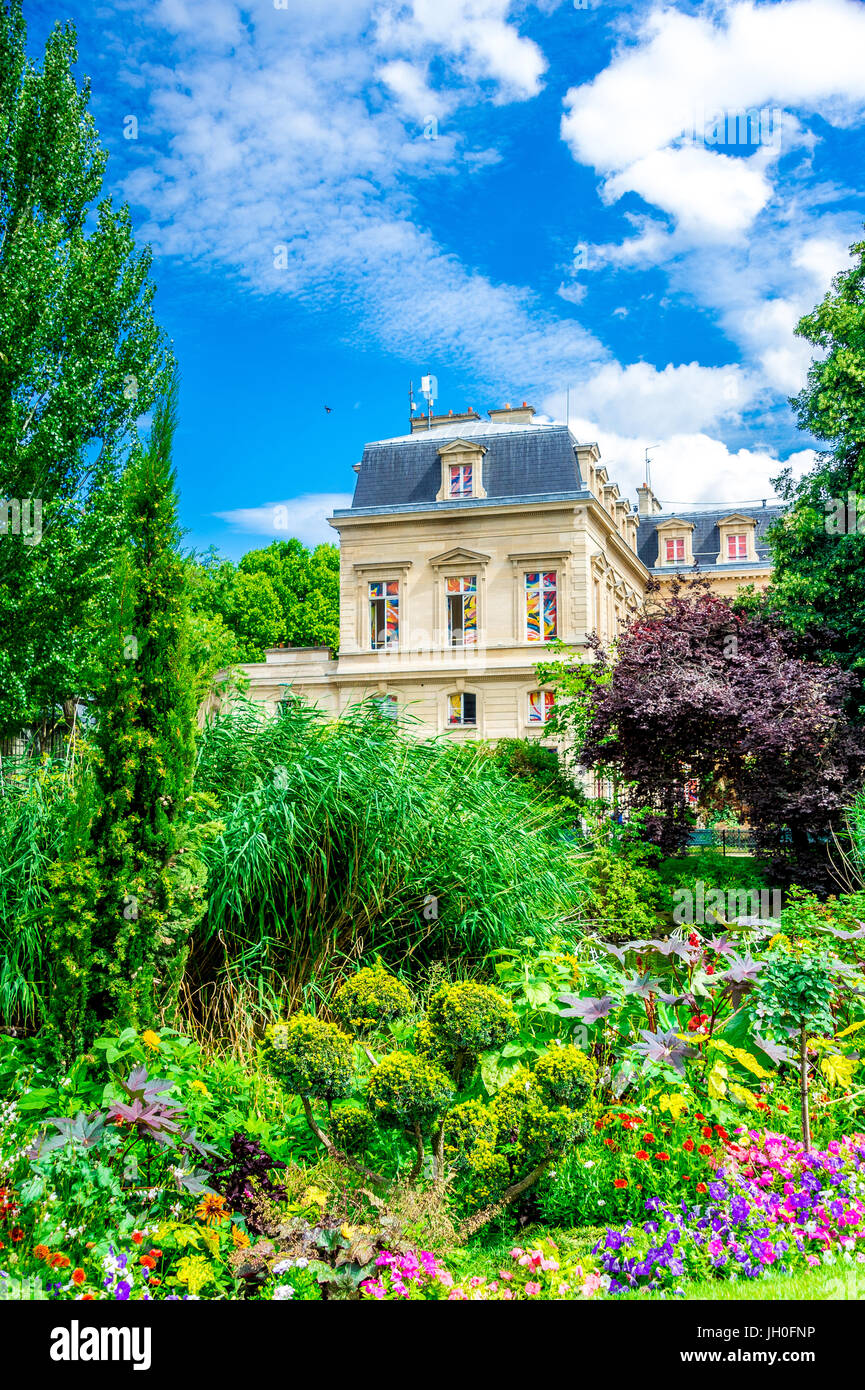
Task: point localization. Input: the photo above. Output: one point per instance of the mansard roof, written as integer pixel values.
(706, 536)
(521, 462)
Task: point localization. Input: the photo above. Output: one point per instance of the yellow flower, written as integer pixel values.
(199, 1086)
(239, 1238)
(347, 1231)
(211, 1209)
(315, 1197)
(150, 1039)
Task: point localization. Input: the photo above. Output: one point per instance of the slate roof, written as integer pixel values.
(706, 537)
(522, 461)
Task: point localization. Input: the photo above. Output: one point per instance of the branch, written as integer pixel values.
(480, 1218)
(337, 1154)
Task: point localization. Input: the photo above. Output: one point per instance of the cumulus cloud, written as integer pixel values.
(303, 517)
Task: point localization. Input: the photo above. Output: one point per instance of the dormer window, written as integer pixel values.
(675, 543)
(674, 550)
(737, 547)
(460, 475)
(462, 462)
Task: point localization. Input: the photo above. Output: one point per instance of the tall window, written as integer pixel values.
(460, 475)
(540, 706)
(462, 601)
(737, 547)
(675, 550)
(383, 613)
(462, 709)
(542, 623)
(387, 706)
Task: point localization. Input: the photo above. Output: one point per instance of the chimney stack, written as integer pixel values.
(512, 414)
(648, 504)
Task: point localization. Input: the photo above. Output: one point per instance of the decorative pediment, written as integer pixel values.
(461, 446)
(737, 519)
(678, 524)
(458, 556)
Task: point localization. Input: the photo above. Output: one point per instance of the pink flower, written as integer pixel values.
(591, 1286)
(505, 1274)
(549, 1264)
(516, 1252)
(532, 1289)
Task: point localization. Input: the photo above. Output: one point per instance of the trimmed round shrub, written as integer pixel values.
(405, 1089)
(470, 1125)
(472, 1017)
(371, 999)
(565, 1076)
(310, 1057)
(351, 1128)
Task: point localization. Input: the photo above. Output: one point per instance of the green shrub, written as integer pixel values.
(471, 1017)
(310, 1057)
(566, 1076)
(406, 1090)
(352, 1128)
(371, 999)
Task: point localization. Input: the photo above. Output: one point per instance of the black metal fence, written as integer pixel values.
(722, 838)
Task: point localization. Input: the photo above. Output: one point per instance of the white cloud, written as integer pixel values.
(303, 517)
(641, 400)
(476, 34)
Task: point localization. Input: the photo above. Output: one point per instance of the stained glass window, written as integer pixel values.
(460, 480)
(383, 613)
(540, 706)
(462, 603)
(462, 709)
(737, 547)
(675, 550)
(542, 623)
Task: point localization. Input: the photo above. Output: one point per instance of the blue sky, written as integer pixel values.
(519, 197)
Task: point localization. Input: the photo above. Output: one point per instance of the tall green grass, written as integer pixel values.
(33, 798)
(350, 836)
(856, 831)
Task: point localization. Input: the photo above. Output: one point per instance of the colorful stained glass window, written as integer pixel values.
(675, 550)
(737, 547)
(460, 480)
(462, 604)
(462, 709)
(383, 613)
(540, 706)
(542, 623)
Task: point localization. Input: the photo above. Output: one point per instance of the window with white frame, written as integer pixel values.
(737, 546)
(540, 706)
(542, 619)
(674, 550)
(462, 709)
(383, 613)
(460, 480)
(387, 706)
(461, 593)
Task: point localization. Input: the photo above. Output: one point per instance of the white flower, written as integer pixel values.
(284, 1291)
(282, 1267)
(301, 1264)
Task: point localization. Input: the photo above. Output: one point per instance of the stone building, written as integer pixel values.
(470, 544)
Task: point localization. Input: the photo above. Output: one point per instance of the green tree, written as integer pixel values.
(819, 545)
(129, 887)
(307, 586)
(81, 358)
(255, 615)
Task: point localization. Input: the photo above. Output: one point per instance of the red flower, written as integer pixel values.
(785, 1108)
(157, 1254)
(701, 1187)
(688, 1145)
(641, 1153)
(649, 1138)
(155, 1282)
(719, 1129)
(87, 1297)
(698, 1116)
(59, 1261)
(78, 1276)
(710, 969)
(148, 1262)
(17, 1233)
(599, 1124)
(705, 1150)
(137, 1237)
(620, 1182)
(706, 1132)
(686, 1177)
(662, 1157)
(761, 1105)
(693, 939)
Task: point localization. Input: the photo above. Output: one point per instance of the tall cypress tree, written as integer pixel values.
(129, 887)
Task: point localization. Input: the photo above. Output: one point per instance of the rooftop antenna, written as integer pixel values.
(648, 465)
(430, 388)
(412, 407)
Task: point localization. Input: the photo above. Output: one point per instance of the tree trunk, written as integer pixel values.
(803, 1088)
(337, 1154)
(474, 1223)
(417, 1166)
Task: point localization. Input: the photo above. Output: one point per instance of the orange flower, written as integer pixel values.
(705, 1150)
(662, 1157)
(641, 1153)
(59, 1261)
(620, 1182)
(211, 1209)
(78, 1276)
(148, 1262)
(41, 1252)
(87, 1298)
(137, 1237)
(701, 1187)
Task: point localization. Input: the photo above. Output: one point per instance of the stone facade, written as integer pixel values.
(469, 545)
